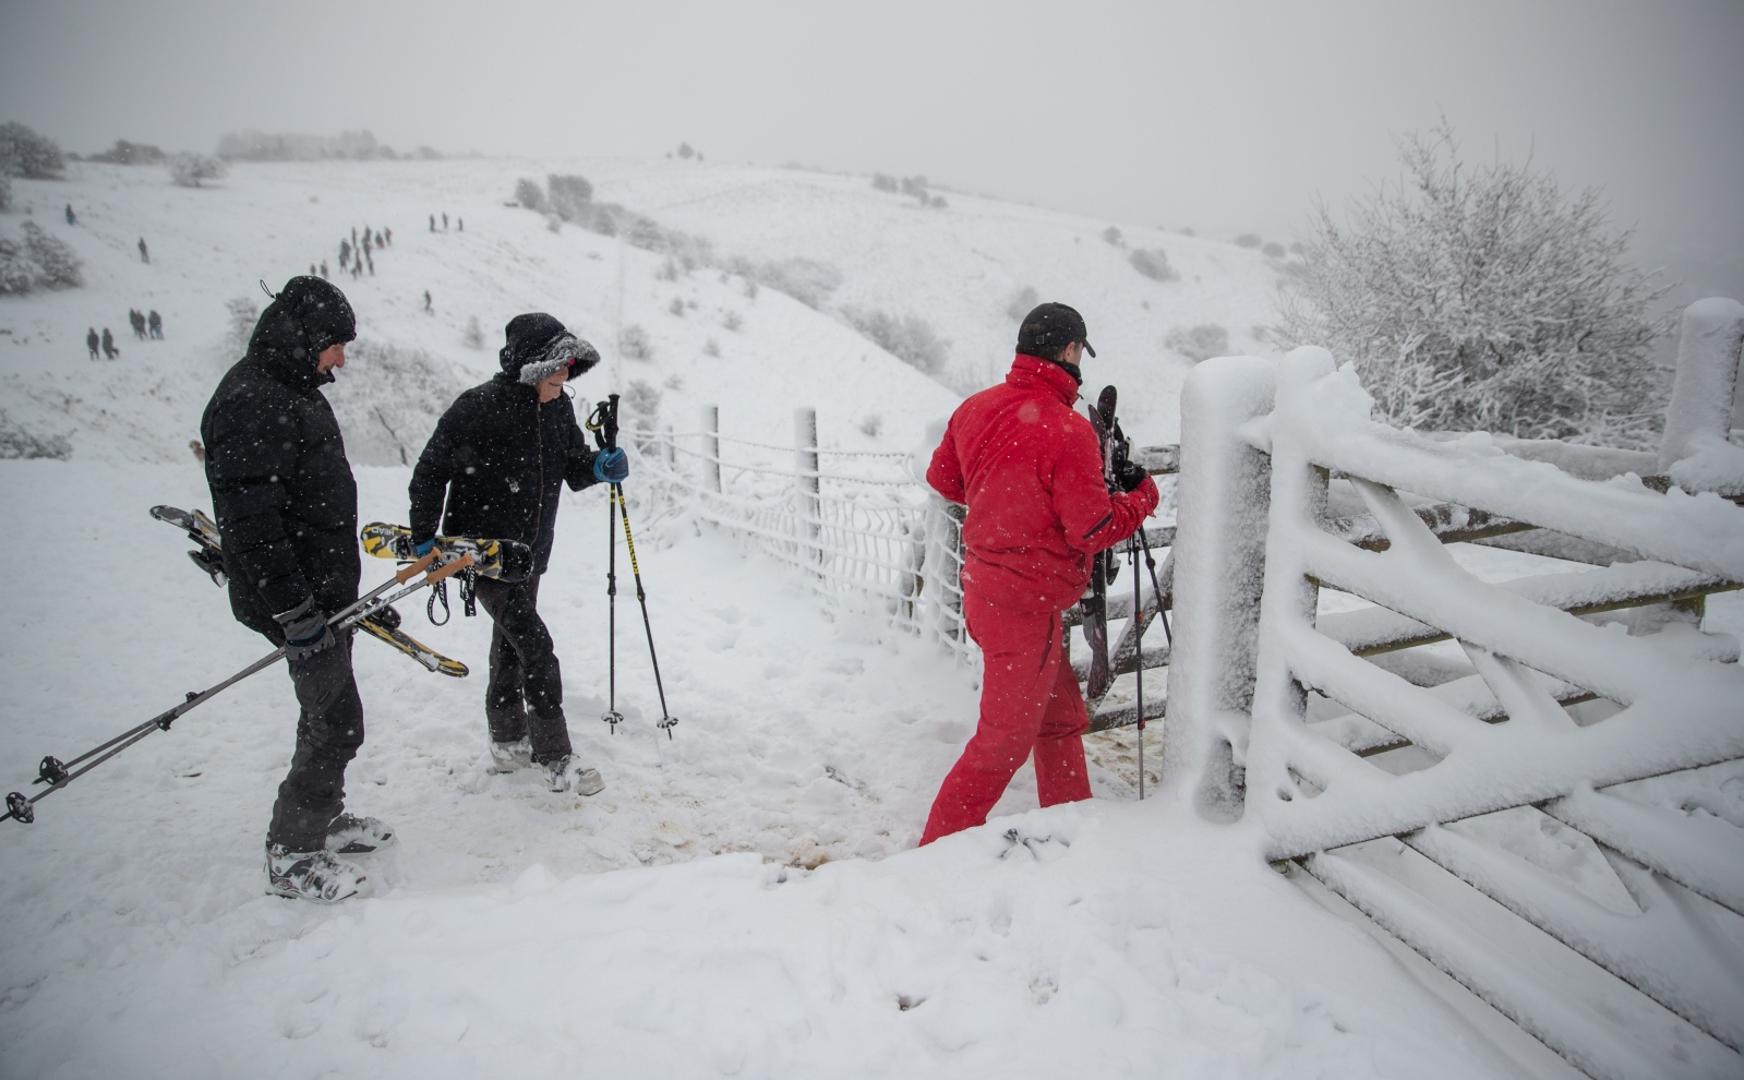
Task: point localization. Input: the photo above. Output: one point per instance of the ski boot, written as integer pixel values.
(567, 773)
(310, 875)
(509, 756)
(350, 834)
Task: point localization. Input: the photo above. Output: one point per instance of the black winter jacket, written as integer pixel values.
(282, 490)
(500, 458)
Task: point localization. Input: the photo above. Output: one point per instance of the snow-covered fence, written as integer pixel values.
(1422, 786)
(857, 527)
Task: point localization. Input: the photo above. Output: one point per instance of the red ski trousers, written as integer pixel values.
(1030, 701)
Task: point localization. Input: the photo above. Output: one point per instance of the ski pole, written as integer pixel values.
(603, 422)
(667, 720)
(58, 774)
(1138, 654)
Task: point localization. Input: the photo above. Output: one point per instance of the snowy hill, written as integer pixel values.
(957, 268)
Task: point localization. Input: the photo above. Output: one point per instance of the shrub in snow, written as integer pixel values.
(1187, 230)
(17, 276)
(1273, 249)
(633, 344)
(239, 323)
(17, 443)
(871, 425)
(733, 321)
(674, 381)
(807, 280)
(711, 347)
(473, 337)
(750, 288)
(1153, 263)
(642, 399)
(668, 271)
(909, 338)
(188, 169)
(676, 307)
(56, 265)
(1200, 343)
(1248, 240)
(938, 202)
(685, 151)
(1484, 298)
(394, 396)
(25, 153)
(529, 194)
(1022, 302)
(1112, 235)
(884, 182)
(568, 196)
(5, 192)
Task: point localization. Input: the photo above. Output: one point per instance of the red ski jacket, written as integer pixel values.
(1030, 470)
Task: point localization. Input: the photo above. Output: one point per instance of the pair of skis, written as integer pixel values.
(504, 559)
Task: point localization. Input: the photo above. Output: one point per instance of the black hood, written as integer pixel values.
(306, 316)
(536, 345)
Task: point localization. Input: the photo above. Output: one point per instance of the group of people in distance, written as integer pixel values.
(1025, 462)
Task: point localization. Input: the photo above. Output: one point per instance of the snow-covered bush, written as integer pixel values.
(1022, 302)
(909, 338)
(18, 443)
(1111, 235)
(394, 396)
(1484, 298)
(807, 280)
(239, 323)
(1248, 240)
(473, 337)
(529, 194)
(711, 348)
(1272, 249)
(1153, 263)
(676, 307)
(633, 343)
(884, 182)
(56, 267)
(187, 169)
(1199, 343)
(642, 400)
(25, 153)
(17, 276)
(569, 196)
(733, 321)
(871, 425)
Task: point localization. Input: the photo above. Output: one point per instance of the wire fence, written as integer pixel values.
(864, 533)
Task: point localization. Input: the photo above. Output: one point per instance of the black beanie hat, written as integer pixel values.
(535, 345)
(1049, 328)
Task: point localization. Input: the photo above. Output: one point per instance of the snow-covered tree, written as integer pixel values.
(1484, 298)
(569, 196)
(25, 153)
(16, 274)
(187, 168)
(56, 265)
(243, 314)
(529, 194)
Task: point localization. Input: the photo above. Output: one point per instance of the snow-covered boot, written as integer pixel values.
(320, 876)
(567, 773)
(509, 756)
(350, 834)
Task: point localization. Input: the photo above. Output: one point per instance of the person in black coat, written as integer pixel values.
(286, 505)
(91, 341)
(497, 463)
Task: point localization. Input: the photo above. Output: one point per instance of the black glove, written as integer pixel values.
(1129, 474)
(306, 630)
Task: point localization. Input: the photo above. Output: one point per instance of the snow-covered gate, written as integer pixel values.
(1580, 867)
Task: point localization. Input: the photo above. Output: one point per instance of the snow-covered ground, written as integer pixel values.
(740, 900)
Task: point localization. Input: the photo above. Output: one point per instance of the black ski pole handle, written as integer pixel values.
(603, 422)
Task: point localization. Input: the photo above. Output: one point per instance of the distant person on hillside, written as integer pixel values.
(323, 269)
(498, 461)
(432, 222)
(314, 272)
(154, 323)
(444, 221)
(144, 255)
(388, 235)
(460, 224)
(427, 308)
(356, 267)
(110, 352)
(286, 503)
(137, 321)
(344, 253)
(92, 341)
(354, 236)
(379, 241)
(72, 218)
(370, 259)
(368, 242)
(1029, 468)
(198, 451)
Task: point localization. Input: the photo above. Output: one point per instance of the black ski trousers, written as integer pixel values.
(525, 696)
(329, 731)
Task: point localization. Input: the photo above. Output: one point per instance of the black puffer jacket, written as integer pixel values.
(282, 490)
(499, 458)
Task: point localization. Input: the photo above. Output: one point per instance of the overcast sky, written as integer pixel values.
(1224, 116)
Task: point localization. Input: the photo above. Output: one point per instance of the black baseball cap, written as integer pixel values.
(1051, 327)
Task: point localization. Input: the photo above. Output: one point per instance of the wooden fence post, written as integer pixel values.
(1707, 381)
(805, 457)
(711, 444)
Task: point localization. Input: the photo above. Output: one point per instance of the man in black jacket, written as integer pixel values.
(286, 506)
(500, 457)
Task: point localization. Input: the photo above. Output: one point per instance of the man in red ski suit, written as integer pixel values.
(1029, 468)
